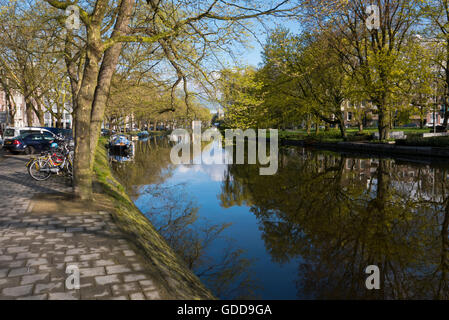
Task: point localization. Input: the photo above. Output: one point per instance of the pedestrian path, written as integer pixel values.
(37, 250)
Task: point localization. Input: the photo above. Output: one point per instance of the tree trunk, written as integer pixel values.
(446, 111)
(110, 60)
(342, 127)
(82, 170)
(308, 124)
(29, 112)
(11, 107)
(446, 88)
(384, 123)
(40, 117)
(360, 125)
(421, 118)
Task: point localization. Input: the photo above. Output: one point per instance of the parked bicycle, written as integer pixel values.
(58, 160)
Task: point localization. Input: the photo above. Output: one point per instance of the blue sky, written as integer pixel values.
(253, 56)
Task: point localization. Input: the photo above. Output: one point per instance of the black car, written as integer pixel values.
(29, 143)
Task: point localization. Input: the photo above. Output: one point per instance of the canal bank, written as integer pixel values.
(174, 276)
(373, 148)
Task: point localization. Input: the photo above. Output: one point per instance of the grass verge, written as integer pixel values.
(176, 279)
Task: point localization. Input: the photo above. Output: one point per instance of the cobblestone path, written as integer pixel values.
(35, 250)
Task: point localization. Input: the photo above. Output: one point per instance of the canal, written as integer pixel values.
(308, 232)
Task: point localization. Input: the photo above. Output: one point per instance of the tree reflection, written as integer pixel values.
(175, 216)
(151, 165)
(342, 214)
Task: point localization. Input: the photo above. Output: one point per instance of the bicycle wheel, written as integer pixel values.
(34, 169)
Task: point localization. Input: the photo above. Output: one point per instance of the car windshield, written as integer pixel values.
(28, 131)
(9, 132)
(23, 135)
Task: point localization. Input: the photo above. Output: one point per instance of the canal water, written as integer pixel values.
(308, 232)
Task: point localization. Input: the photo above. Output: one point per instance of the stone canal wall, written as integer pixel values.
(175, 277)
(374, 148)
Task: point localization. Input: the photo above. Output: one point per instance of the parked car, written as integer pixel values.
(11, 132)
(29, 143)
(66, 133)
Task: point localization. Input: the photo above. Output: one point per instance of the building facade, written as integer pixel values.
(19, 117)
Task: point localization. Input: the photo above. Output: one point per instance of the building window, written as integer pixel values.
(349, 116)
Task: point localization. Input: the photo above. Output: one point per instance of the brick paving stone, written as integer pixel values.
(17, 291)
(137, 296)
(152, 295)
(3, 272)
(120, 289)
(21, 272)
(34, 278)
(117, 269)
(37, 297)
(48, 287)
(94, 256)
(128, 253)
(64, 296)
(103, 263)
(36, 249)
(96, 292)
(107, 279)
(92, 272)
(135, 277)
(36, 262)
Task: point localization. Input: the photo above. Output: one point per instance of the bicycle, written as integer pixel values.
(57, 161)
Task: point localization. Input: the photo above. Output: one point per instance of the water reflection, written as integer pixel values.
(120, 154)
(342, 214)
(216, 172)
(175, 214)
(307, 232)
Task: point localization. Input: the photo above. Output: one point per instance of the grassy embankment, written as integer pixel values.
(414, 137)
(176, 280)
(417, 140)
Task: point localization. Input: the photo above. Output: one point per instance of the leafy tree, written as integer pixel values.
(29, 55)
(284, 104)
(108, 24)
(373, 54)
(241, 100)
(304, 75)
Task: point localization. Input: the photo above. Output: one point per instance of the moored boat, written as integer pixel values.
(120, 142)
(143, 134)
